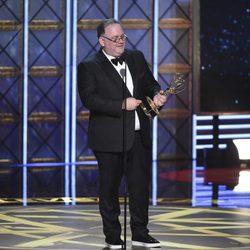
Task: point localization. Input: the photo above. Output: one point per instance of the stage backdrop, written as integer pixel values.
(43, 150)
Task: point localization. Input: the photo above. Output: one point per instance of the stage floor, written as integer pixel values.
(80, 227)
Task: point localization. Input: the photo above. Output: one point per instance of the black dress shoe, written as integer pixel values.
(114, 244)
(145, 241)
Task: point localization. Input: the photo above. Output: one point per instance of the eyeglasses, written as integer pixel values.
(116, 39)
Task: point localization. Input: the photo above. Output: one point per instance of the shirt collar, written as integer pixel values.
(108, 56)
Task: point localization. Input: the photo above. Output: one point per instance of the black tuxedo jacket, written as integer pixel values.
(102, 91)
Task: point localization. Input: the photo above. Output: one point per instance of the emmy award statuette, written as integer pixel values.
(175, 87)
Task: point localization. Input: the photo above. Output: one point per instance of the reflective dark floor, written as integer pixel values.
(80, 227)
(204, 221)
(204, 192)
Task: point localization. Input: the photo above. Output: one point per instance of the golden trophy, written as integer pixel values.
(176, 86)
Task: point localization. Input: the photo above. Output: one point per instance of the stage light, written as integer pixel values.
(244, 182)
(243, 146)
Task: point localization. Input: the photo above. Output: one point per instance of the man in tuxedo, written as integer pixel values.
(112, 84)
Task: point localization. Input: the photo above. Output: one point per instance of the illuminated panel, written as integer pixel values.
(116, 16)
(228, 117)
(232, 136)
(194, 156)
(155, 121)
(25, 97)
(73, 102)
(243, 146)
(244, 183)
(67, 99)
(236, 128)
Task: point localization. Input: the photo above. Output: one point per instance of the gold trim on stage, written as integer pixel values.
(44, 117)
(9, 72)
(49, 71)
(83, 115)
(175, 23)
(9, 25)
(45, 25)
(137, 23)
(174, 68)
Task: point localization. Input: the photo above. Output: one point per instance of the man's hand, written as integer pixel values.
(130, 103)
(160, 99)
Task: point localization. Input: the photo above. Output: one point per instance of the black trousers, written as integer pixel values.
(137, 172)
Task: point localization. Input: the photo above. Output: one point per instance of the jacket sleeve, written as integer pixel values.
(90, 94)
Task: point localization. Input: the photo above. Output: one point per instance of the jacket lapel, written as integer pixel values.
(110, 70)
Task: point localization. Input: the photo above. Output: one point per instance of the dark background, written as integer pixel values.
(225, 56)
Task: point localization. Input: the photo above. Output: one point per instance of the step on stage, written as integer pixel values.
(79, 227)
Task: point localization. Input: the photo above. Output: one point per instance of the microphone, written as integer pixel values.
(122, 73)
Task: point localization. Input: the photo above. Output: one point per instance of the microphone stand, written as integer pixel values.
(123, 73)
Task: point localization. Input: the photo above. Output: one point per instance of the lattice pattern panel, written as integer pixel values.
(46, 81)
(175, 55)
(11, 49)
(10, 81)
(46, 96)
(46, 47)
(89, 15)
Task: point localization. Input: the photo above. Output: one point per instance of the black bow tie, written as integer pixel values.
(118, 59)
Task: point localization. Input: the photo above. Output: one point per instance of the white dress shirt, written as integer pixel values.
(128, 81)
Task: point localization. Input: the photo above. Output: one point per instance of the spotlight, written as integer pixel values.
(243, 146)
